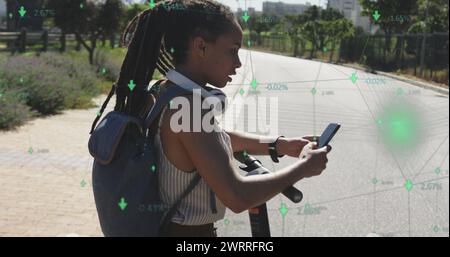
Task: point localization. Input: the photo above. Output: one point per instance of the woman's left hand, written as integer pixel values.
(293, 146)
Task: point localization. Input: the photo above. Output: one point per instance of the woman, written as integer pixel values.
(200, 39)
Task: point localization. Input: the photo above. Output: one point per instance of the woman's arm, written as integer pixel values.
(212, 161)
(237, 192)
(252, 143)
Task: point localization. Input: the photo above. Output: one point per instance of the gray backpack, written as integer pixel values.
(125, 172)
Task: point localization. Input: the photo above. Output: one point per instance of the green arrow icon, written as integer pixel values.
(131, 85)
(313, 91)
(254, 84)
(376, 15)
(22, 11)
(354, 78)
(408, 185)
(122, 204)
(151, 4)
(245, 17)
(283, 209)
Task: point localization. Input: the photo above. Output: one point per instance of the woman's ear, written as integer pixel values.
(199, 46)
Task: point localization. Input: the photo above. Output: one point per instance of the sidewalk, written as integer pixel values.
(45, 171)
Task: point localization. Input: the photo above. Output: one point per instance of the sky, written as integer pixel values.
(257, 4)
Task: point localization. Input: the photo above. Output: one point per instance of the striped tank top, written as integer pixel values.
(200, 206)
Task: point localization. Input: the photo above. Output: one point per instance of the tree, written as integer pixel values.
(130, 12)
(77, 17)
(388, 9)
(437, 18)
(432, 17)
(84, 18)
(312, 27)
(110, 18)
(294, 30)
(339, 30)
(328, 22)
(319, 27)
(260, 24)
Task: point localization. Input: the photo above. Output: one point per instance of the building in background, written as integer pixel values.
(352, 11)
(250, 11)
(281, 9)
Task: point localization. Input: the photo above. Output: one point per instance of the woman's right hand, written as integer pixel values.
(315, 160)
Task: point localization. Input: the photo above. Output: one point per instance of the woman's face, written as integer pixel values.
(221, 58)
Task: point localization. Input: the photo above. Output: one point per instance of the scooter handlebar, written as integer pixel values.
(254, 167)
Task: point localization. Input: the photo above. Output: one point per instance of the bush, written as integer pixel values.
(76, 69)
(107, 66)
(49, 83)
(31, 85)
(13, 111)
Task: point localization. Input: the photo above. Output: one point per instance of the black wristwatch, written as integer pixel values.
(273, 150)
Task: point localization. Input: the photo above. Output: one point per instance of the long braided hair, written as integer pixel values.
(159, 38)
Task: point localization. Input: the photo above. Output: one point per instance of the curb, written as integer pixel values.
(420, 84)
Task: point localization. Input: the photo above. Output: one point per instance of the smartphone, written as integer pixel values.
(328, 134)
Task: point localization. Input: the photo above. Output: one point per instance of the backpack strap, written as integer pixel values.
(162, 101)
(151, 93)
(172, 209)
(110, 94)
(105, 103)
